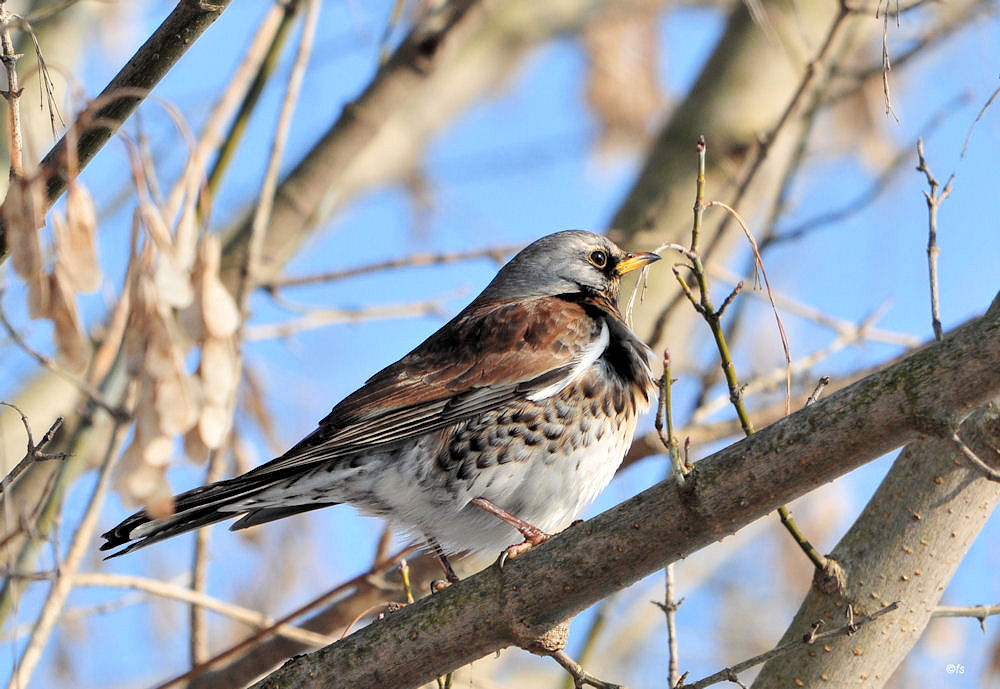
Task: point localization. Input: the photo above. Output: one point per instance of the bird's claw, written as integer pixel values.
(530, 541)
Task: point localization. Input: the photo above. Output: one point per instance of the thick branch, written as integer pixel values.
(934, 387)
(122, 96)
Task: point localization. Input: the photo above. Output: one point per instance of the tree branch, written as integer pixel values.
(728, 490)
(120, 98)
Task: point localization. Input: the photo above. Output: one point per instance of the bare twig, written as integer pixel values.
(664, 419)
(967, 452)
(580, 676)
(854, 623)
(883, 181)
(669, 607)
(497, 254)
(164, 589)
(295, 614)
(713, 317)
(934, 199)
(62, 586)
(12, 94)
(262, 214)
(34, 452)
(886, 62)
(262, 58)
(324, 317)
(979, 612)
(982, 112)
(198, 643)
(92, 393)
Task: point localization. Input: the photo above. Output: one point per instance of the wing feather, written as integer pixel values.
(492, 356)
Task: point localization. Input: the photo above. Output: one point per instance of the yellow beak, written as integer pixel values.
(636, 260)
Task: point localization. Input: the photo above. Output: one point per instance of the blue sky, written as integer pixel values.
(510, 169)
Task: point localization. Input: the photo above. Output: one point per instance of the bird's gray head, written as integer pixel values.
(570, 262)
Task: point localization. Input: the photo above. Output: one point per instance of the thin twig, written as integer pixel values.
(262, 214)
(262, 59)
(321, 318)
(579, 675)
(295, 614)
(12, 94)
(982, 112)
(497, 254)
(979, 612)
(855, 623)
(83, 386)
(162, 589)
(665, 424)
(967, 452)
(883, 181)
(669, 607)
(62, 586)
(34, 452)
(703, 305)
(934, 200)
(886, 62)
(594, 631)
(198, 642)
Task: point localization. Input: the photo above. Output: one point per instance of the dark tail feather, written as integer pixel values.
(193, 509)
(269, 514)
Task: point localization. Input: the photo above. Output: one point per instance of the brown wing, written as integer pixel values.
(485, 357)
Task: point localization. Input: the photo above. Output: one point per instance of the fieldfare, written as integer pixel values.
(510, 418)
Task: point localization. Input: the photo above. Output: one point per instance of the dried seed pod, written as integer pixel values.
(24, 216)
(194, 447)
(76, 242)
(219, 312)
(72, 346)
(213, 424)
(173, 282)
(176, 403)
(218, 370)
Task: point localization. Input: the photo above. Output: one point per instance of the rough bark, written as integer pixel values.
(928, 392)
(905, 546)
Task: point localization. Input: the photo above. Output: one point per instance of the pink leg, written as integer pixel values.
(532, 534)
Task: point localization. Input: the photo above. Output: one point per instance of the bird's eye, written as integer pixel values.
(599, 258)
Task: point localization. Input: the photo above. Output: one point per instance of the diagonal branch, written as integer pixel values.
(728, 490)
(120, 98)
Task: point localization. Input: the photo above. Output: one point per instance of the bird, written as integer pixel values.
(504, 424)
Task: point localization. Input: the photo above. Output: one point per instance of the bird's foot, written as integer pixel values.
(537, 537)
(532, 534)
(439, 585)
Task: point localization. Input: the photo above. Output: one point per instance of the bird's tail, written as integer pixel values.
(200, 507)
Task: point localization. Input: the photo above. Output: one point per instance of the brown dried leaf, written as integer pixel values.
(72, 346)
(152, 220)
(163, 360)
(77, 247)
(186, 237)
(24, 215)
(39, 296)
(161, 503)
(142, 483)
(191, 321)
(194, 447)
